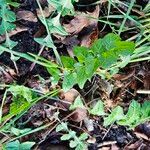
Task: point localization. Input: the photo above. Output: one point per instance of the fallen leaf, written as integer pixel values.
(90, 36)
(81, 20)
(71, 95)
(144, 129)
(91, 140)
(76, 24)
(79, 115)
(46, 11)
(13, 32)
(114, 147)
(134, 146)
(26, 15)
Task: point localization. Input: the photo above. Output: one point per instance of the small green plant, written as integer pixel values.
(16, 145)
(8, 18)
(22, 97)
(77, 142)
(105, 55)
(53, 25)
(137, 113)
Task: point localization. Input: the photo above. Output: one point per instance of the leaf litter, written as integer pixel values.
(83, 30)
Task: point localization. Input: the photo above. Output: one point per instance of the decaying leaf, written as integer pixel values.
(13, 32)
(79, 115)
(70, 95)
(46, 11)
(26, 15)
(82, 20)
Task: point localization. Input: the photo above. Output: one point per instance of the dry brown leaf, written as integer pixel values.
(79, 115)
(70, 95)
(91, 140)
(114, 147)
(14, 32)
(46, 11)
(76, 24)
(134, 146)
(82, 20)
(90, 36)
(26, 15)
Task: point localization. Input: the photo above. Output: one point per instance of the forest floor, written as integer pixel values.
(127, 85)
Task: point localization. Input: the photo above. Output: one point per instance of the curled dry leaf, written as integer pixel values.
(91, 32)
(70, 95)
(26, 15)
(13, 32)
(79, 115)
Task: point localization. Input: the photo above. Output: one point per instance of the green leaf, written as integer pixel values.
(111, 49)
(55, 26)
(62, 127)
(97, 47)
(91, 65)
(132, 116)
(73, 144)
(81, 53)
(68, 136)
(14, 4)
(81, 146)
(116, 114)
(16, 145)
(9, 43)
(21, 91)
(77, 104)
(68, 62)
(64, 7)
(110, 41)
(47, 41)
(124, 48)
(55, 72)
(18, 105)
(107, 59)
(13, 145)
(69, 80)
(98, 109)
(81, 75)
(145, 110)
(18, 132)
(83, 136)
(26, 145)
(8, 17)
